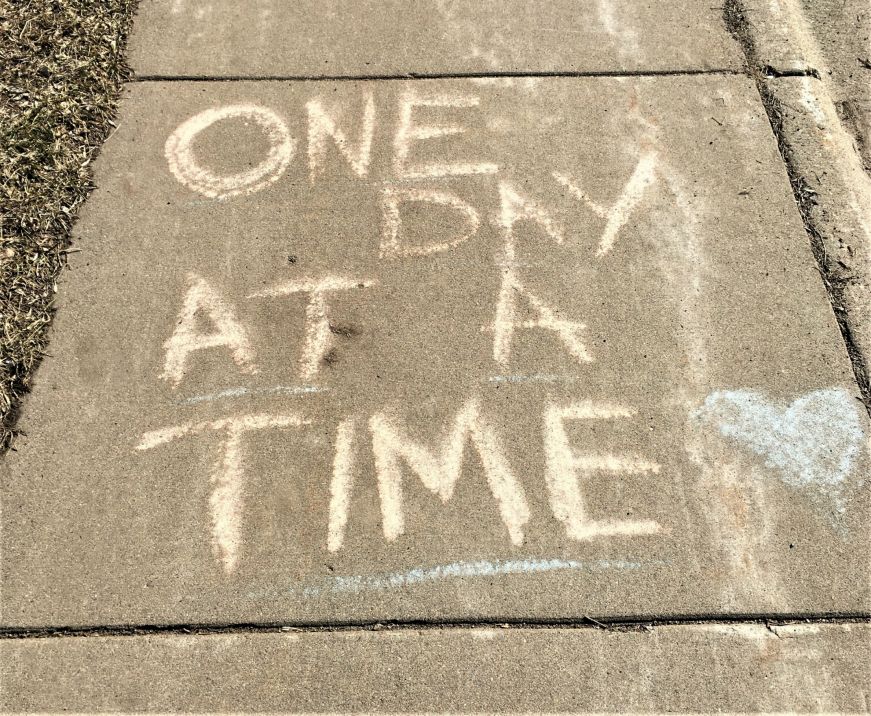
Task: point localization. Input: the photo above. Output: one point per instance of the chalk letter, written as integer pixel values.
(202, 299)
(506, 320)
(408, 132)
(617, 216)
(225, 502)
(516, 208)
(322, 127)
(341, 484)
(565, 468)
(182, 163)
(318, 336)
(391, 237)
(439, 470)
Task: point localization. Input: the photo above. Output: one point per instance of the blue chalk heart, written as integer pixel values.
(816, 441)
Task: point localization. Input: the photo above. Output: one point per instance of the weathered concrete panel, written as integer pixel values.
(702, 669)
(340, 37)
(574, 359)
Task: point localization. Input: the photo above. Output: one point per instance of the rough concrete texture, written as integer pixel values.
(831, 38)
(575, 360)
(828, 38)
(843, 32)
(702, 669)
(838, 201)
(782, 36)
(823, 118)
(341, 37)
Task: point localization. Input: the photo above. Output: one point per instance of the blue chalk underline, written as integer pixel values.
(459, 570)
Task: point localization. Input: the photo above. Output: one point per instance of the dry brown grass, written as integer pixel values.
(61, 69)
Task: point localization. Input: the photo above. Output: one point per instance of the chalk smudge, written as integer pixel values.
(242, 392)
(625, 39)
(815, 442)
(536, 378)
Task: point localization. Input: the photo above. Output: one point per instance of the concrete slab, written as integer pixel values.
(701, 669)
(540, 349)
(782, 36)
(317, 38)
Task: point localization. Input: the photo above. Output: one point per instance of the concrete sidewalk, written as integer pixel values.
(450, 317)
(750, 668)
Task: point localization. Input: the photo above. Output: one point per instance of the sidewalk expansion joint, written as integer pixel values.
(616, 624)
(434, 75)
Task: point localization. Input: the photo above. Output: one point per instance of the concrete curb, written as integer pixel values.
(829, 181)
